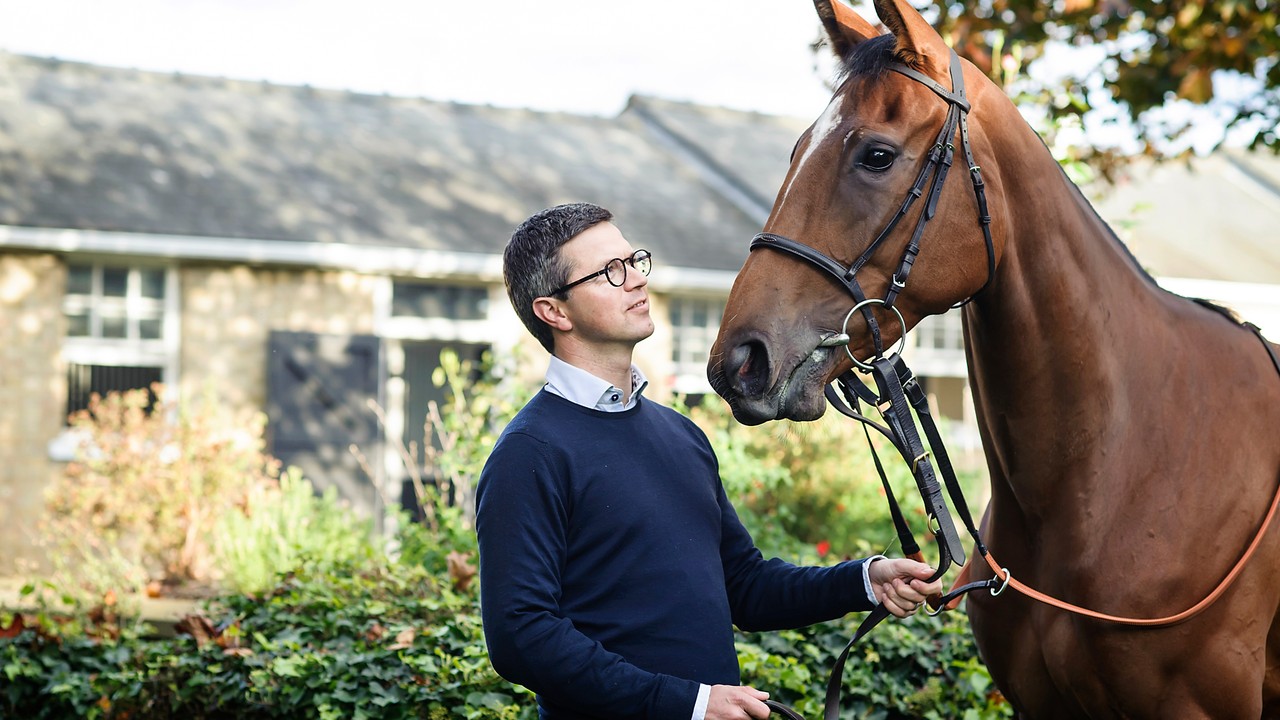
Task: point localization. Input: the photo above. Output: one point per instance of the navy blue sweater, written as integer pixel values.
(613, 567)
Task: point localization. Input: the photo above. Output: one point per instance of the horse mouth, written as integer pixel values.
(796, 395)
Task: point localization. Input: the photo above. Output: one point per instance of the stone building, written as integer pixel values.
(305, 251)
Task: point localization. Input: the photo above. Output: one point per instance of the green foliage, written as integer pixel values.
(337, 628)
(282, 525)
(481, 398)
(924, 667)
(814, 482)
(1148, 56)
(384, 642)
(481, 401)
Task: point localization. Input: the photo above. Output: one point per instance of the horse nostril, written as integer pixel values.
(747, 367)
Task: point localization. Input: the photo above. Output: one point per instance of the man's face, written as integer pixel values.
(600, 312)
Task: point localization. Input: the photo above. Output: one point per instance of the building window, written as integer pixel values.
(85, 381)
(694, 324)
(452, 302)
(940, 332)
(121, 329)
(115, 302)
(435, 310)
(937, 346)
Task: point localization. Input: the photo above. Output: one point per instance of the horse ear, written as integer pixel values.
(918, 44)
(845, 28)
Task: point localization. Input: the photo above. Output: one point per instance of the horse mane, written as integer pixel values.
(1222, 310)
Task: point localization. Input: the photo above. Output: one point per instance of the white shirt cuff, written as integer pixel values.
(866, 578)
(700, 707)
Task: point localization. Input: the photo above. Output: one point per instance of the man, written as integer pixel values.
(612, 565)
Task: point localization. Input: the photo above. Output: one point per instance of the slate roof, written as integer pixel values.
(751, 149)
(91, 147)
(1215, 218)
(98, 148)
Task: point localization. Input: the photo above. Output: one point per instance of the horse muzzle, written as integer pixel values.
(760, 388)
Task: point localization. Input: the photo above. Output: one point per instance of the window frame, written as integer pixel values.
(689, 373)
(934, 361)
(130, 351)
(479, 330)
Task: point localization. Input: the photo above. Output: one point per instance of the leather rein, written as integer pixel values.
(898, 394)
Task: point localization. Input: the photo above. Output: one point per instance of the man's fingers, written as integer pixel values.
(734, 702)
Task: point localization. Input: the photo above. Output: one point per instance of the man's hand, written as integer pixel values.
(900, 584)
(734, 702)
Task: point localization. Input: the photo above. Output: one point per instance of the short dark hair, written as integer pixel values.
(531, 264)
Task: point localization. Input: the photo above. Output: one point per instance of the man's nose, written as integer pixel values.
(635, 279)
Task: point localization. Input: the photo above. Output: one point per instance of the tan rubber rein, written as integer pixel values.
(1003, 575)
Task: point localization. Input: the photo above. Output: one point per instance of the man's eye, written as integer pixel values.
(877, 159)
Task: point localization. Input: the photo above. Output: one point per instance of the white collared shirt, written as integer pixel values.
(582, 388)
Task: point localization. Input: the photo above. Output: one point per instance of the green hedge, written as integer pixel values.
(923, 667)
(387, 643)
(400, 642)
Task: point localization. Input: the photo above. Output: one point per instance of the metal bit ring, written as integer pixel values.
(844, 329)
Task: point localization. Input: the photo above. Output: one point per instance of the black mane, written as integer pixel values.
(867, 58)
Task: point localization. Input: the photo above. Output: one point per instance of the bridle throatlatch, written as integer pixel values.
(898, 395)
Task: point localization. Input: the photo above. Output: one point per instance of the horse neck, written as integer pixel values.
(1049, 340)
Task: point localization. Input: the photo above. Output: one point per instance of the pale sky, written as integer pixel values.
(582, 56)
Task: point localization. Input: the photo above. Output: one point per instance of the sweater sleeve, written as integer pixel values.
(522, 520)
(776, 595)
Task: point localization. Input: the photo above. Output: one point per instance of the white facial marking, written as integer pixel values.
(826, 124)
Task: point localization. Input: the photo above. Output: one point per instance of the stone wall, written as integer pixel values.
(32, 393)
(228, 314)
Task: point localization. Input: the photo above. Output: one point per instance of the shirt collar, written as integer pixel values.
(582, 388)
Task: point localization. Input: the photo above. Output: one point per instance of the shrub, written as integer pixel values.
(382, 642)
(925, 667)
(281, 526)
(397, 642)
(814, 482)
(148, 485)
(347, 631)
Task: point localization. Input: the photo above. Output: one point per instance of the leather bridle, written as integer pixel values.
(936, 166)
(932, 174)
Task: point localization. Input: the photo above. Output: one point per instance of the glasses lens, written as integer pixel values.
(615, 272)
(642, 261)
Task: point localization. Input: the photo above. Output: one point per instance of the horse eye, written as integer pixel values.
(877, 159)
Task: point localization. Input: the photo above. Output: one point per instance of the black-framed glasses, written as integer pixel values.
(615, 271)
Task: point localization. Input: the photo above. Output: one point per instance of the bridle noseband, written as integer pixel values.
(936, 166)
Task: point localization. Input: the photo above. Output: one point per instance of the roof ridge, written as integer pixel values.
(724, 181)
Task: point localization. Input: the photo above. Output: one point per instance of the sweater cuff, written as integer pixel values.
(676, 697)
(866, 578)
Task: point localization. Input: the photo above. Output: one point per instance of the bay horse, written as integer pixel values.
(1132, 436)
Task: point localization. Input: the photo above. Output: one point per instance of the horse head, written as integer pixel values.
(782, 336)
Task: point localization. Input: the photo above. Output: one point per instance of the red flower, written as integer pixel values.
(824, 547)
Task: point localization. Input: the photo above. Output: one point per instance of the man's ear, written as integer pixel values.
(551, 312)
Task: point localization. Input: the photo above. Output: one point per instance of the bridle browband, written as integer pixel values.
(899, 393)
